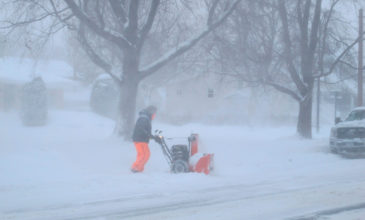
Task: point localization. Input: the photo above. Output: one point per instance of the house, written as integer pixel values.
(209, 98)
(15, 72)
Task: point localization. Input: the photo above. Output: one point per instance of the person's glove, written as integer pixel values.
(156, 138)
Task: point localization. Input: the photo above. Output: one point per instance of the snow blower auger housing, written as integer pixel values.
(185, 158)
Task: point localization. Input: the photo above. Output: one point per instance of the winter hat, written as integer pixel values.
(151, 110)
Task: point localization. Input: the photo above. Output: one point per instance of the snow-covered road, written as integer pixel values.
(227, 202)
(73, 168)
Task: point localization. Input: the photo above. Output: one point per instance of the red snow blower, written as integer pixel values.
(185, 158)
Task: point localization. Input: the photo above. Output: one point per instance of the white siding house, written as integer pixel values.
(206, 98)
(15, 72)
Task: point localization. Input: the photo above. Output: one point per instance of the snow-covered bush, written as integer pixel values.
(104, 97)
(34, 106)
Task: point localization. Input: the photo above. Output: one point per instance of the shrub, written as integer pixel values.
(34, 106)
(104, 97)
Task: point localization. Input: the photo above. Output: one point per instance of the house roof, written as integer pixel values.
(15, 70)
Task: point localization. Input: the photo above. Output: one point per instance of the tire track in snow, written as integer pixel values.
(128, 207)
(328, 212)
(238, 198)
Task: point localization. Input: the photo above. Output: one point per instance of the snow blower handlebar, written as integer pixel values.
(161, 141)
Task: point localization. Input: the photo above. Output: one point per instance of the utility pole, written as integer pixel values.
(318, 101)
(360, 62)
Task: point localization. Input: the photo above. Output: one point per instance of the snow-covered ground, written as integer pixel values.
(74, 168)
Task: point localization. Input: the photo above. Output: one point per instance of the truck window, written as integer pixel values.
(356, 115)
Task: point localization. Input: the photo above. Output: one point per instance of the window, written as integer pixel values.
(356, 115)
(210, 93)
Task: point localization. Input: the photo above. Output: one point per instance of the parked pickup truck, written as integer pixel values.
(348, 137)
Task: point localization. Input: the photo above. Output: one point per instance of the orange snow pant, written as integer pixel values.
(143, 154)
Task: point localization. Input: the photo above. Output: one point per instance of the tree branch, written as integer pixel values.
(338, 59)
(99, 15)
(288, 54)
(324, 38)
(315, 27)
(26, 22)
(119, 11)
(284, 90)
(303, 26)
(169, 56)
(148, 25)
(211, 12)
(118, 40)
(62, 20)
(93, 55)
(303, 23)
(351, 65)
(132, 27)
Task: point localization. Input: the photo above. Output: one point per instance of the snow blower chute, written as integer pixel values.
(184, 158)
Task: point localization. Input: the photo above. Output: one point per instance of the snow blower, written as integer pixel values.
(184, 158)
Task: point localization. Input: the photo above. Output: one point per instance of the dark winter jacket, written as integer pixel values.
(142, 129)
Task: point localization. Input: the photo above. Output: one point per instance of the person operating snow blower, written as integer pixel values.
(141, 136)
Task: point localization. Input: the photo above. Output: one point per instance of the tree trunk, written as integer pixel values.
(128, 94)
(304, 126)
(127, 109)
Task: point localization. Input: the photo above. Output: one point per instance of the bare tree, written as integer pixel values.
(308, 41)
(310, 17)
(124, 25)
(287, 45)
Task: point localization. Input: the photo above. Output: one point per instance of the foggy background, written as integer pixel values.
(258, 82)
(221, 80)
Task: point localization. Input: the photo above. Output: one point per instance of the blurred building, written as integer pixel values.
(210, 98)
(15, 72)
